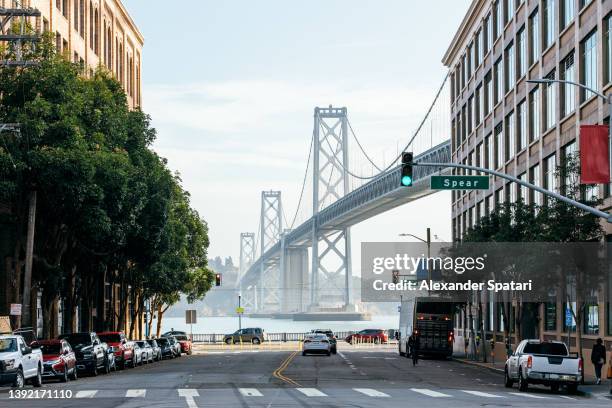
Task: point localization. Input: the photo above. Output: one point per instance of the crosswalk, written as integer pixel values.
(314, 393)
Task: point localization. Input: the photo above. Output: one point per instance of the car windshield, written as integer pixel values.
(110, 338)
(142, 343)
(8, 345)
(181, 337)
(555, 349)
(77, 340)
(152, 343)
(162, 342)
(50, 348)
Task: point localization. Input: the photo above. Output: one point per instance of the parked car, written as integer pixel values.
(316, 343)
(157, 353)
(185, 342)
(330, 336)
(91, 354)
(147, 351)
(123, 352)
(176, 346)
(138, 357)
(167, 349)
(253, 335)
(59, 360)
(543, 362)
(376, 336)
(174, 333)
(19, 362)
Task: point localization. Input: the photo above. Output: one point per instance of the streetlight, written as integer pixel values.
(428, 242)
(607, 99)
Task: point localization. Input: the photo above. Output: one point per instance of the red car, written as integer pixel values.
(123, 350)
(376, 336)
(59, 360)
(185, 342)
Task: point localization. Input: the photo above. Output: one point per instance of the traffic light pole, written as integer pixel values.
(594, 211)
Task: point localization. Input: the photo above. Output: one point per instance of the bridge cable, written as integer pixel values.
(297, 210)
(361, 147)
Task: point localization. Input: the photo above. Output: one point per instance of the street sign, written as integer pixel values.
(15, 309)
(459, 182)
(240, 310)
(190, 316)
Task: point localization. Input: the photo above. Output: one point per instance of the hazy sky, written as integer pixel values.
(231, 86)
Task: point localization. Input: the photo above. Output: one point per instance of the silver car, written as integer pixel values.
(146, 351)
(316, 343)
(157, 352)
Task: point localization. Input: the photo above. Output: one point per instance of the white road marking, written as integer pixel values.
(86, 394)
(370, 392)
(135, 393)
(311, 392)
(522, 394)
(250, 392)
(482, 394)
(189, 395)
(429, 393)
(566, 397)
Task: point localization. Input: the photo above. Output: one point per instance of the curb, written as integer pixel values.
(480, 365)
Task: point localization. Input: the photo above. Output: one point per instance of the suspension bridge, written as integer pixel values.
(291, 268)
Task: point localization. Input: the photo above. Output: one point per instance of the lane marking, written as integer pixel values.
(311, 392)
(430, 393)
(482, 394)
(135, 393)
(370, 392)
(278, 373)
(522, 394)
(250, 392)
(189, 395)
(86, 394)
(566, 397)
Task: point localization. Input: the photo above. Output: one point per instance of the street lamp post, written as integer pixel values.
(606, 98)
(428, 242)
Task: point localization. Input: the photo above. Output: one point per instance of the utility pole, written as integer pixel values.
(26, 316)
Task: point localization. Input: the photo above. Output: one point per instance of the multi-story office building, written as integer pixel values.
(93, 33)
(501, 122)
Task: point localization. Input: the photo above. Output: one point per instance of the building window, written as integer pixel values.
(479, 153)
(499, 81)
(488, 94)
(523, 192)
(58, 43)
(568, 73)
(521, 53)
(584, 3)
(567, 152)
(567, 13)
(470, 62)
(534, 175)
(550, 167)
(478, 49)
(534, 37)
(498, 18)
(489, 156)
(499, 146)
(521, 128)
(550, 103)
(65, 8)
(509, 11)
(549, 22)
(591, 318)
(470, 114)
(464, 76)
(477, 105)
(534, 115)
(608, 49)
(509, 68)
(510, 136)
(488, 33)
(589, 63)
(550, 315)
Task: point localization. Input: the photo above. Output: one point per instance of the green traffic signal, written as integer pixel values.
(407, 161)
(406, 181)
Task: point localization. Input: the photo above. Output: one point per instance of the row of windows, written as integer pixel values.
(541, 37)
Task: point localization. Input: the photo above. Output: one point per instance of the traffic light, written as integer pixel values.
(218, 279)
(406, 179)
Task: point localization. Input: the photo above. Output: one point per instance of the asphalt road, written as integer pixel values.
(287, 379)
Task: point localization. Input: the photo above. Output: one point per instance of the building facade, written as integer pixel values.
(501, 122)
(94, 33)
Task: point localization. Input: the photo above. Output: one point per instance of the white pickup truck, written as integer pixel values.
(543, 362)
(19, 362)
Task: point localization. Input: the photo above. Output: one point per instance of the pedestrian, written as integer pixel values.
(413, 344)
(598, 358)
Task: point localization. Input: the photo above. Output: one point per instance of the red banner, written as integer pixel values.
(594, 156)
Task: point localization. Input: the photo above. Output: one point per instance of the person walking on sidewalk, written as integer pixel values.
(413, 344)
(598, 358)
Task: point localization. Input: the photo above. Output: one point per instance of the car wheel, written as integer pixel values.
(133, 362)
(64, 377)
(75, 375)
(376, 340)
(107, 367)
(328, 353)
(38, 381)
(554, 387)
(256, 341)
(303, 353)
(19, 380)
(507, 381)
(228, 341)
(334, 350)
(572, 388)
(94, 371)
(522, 382)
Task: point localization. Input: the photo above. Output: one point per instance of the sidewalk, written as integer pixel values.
(589, 388)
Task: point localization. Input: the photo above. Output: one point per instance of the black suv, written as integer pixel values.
(90, 352)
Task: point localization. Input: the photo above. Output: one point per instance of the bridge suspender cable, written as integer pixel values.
(297, 210)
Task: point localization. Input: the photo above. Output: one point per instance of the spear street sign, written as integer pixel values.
(459, 182)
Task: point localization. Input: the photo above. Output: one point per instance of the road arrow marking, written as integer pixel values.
(189, 395)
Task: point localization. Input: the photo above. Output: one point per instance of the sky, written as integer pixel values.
(231, 86)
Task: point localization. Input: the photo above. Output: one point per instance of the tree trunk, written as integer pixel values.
(160, 315)
(26, 316)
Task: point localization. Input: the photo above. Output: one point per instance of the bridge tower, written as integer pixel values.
(331, 249)
(247, 257)
(271, 228)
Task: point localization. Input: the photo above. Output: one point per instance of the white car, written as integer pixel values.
(316, 344)
(19, 363)
(543, 362)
